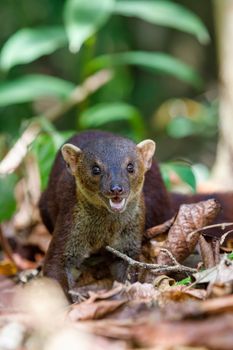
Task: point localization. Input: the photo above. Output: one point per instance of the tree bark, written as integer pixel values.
(223, 167)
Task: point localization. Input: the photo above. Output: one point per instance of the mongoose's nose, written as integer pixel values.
(116, 189)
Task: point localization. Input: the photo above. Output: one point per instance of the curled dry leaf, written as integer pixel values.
(209, 251)
(98, 309)
(159, 229)
(163, 282)
(182, 240)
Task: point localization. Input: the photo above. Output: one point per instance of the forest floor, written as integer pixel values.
(183, 301)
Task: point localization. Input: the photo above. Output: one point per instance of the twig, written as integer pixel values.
(78, 295)
(16, 155)
(171, 256)
(224, 236)
(154, 267)
(222, 225)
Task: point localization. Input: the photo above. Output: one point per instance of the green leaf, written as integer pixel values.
(104, 113)
(30, 87)
(183, 170)
(153, 61)
(165, 172)
(184, 282)
(28, 44)
(50, 129)
(165, 13)
(8, 203)
(83, 18)
(45, 148)
(45, 152)
(180, 127)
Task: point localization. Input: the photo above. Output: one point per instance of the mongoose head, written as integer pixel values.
(109, 171)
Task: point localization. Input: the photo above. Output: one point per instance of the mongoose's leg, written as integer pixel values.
(59, 261)
(130, 246)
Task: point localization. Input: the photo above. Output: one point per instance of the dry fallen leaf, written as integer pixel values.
(7, 268)
(163, 282)
(132, 295)
(159, 229)
(180, 294)
(105, 294)
(215, 333)
(95, 310)
(217, 305)
(219, 289)
(181, 240)
(161, 315)
(210, 251)
(221, 273)
(141, 292)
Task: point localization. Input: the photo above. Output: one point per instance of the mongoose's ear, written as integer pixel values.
(147, 149)
(71, 155)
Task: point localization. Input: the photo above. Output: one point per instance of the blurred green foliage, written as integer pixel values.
(7, 185)
(48, 47)
(182, 169)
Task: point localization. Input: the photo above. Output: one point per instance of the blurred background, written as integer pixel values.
(140, 68)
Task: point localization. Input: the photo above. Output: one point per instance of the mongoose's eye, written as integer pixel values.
(130, 168)
(96, 170)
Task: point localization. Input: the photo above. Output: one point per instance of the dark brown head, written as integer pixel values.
(109, 171)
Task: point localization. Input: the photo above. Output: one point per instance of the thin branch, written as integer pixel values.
(224, 236)
(171, 256)
(16, 155)
(78, 295)
(222, 226)
(155, 267)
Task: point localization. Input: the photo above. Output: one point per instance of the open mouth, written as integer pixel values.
(117, 203)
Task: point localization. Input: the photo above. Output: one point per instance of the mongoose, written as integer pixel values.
(105, 190)
(96, 196)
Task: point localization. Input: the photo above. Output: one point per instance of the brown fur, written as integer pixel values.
(74, 210)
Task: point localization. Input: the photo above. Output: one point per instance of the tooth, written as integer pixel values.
(117, 206)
